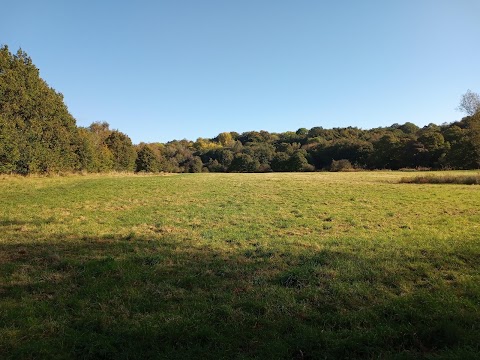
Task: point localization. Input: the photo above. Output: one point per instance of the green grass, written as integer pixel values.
(238, 266)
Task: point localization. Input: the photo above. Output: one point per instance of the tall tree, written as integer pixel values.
(147, 160)
(123, 152)
(470, 103)
(36, 127)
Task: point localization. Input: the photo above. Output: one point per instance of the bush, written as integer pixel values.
(341, 165)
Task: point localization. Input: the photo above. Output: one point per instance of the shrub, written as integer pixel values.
(341, 165)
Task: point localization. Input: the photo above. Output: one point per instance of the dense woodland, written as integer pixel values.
(39, 135)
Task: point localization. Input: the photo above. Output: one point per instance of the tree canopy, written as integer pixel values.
(39, 135)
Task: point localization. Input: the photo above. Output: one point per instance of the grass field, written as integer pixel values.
(239, 266)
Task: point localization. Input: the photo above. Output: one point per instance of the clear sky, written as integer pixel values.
(174, 69)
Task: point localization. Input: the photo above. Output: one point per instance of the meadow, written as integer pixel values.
(239, 266)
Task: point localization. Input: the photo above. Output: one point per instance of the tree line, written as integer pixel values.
(39, 135)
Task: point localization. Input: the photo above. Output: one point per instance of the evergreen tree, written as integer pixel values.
(38, 133)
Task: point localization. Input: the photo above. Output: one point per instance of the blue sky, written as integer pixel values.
(164, 70)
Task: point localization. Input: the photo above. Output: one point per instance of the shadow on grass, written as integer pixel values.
(128, 298)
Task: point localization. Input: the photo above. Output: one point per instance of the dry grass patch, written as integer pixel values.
(452, 179)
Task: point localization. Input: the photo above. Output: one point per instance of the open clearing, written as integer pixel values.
(239, 266)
